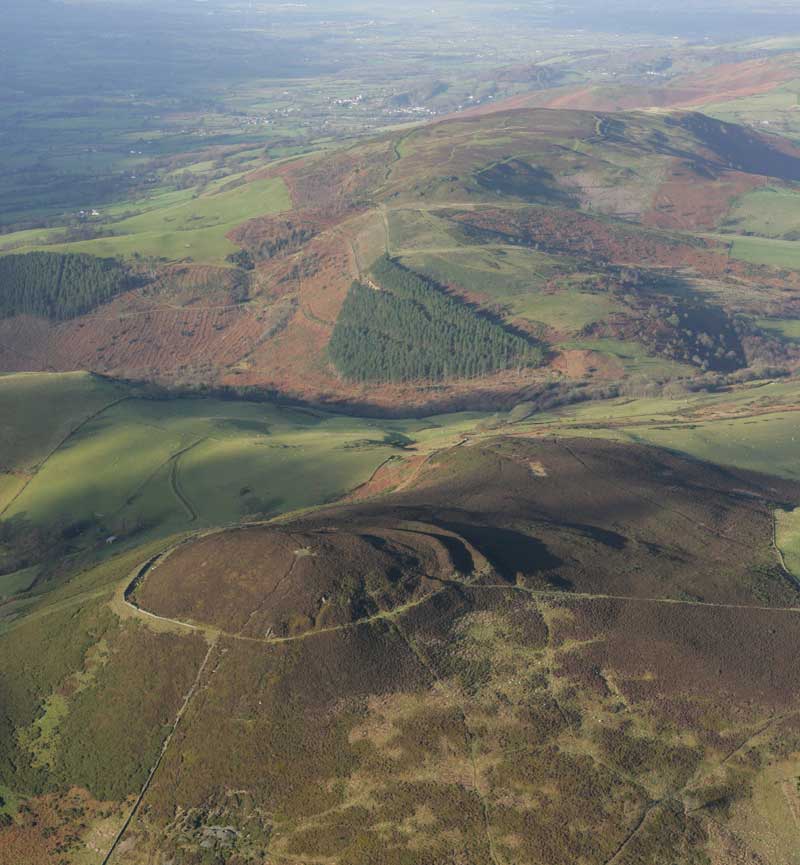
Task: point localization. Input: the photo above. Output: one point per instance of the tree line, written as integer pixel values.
(58, 285)
(402, 327)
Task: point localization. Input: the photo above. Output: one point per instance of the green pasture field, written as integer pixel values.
(204, 246)
(515, 278)
(772, 449)
(774, 111)
(503, 272)
(633, 357)
(32, 237)
(418, 230)
(10, 485)
(17, 582)
(763, 250)
(38, 410)
(147, 469)
(789, 328)
(751, 397)
(769, 444)
(568, 311)
(161, 466)
(766, 438)
(177, 226)
(158, 198)
(770, 212)
(755, 107)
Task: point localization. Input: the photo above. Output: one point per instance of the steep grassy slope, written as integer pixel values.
(40, 411)
(752, 427)
(136, 469)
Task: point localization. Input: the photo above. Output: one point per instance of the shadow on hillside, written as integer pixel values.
(508, 551)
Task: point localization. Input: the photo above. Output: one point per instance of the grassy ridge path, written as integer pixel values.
(174, 481)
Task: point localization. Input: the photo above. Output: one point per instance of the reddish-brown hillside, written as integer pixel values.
(721, 83)
(590, 190)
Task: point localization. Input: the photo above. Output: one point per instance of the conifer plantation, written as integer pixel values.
(403, 327)
(58, 286)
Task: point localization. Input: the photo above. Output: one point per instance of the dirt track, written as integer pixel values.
(184, 706)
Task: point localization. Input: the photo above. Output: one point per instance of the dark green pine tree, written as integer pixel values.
(58, 286)
(411, 330)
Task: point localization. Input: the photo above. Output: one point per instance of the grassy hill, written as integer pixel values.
(527, 216)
